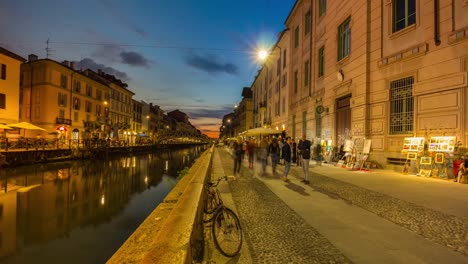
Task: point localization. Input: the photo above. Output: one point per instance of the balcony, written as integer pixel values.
(63, 121)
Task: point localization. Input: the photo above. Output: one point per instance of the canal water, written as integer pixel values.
(82, 211)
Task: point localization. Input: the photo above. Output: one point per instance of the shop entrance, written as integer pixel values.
(343, 119)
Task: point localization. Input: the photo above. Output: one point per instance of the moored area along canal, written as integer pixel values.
(82, 211)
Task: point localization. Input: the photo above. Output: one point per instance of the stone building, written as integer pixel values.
(379, 70)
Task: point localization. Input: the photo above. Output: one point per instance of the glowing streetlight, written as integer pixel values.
(262, 54)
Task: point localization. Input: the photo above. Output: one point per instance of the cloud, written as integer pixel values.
(134, 59)
(210, 63)
(88, 63)
(209, 113)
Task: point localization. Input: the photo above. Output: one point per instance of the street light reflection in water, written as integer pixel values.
(81, 211)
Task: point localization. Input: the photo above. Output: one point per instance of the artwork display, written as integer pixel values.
(442, 144)
(426, 161)
(413, 144)
(412, 156)
(348, 145)
(367, 145)
(439, 158)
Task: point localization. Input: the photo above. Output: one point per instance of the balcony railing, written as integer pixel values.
(63, 121)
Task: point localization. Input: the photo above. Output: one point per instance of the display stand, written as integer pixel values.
(412, 147)
(440, 147)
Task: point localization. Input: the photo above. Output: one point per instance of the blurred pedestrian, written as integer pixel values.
(305, 153)
(463, 171)
(238, 149)
(263, 154)
(250, 152)
(274, 152)
(287, 158)
(294, 151)
(299, 153)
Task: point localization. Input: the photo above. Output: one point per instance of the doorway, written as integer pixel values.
(343, 119)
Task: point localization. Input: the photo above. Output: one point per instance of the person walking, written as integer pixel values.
(274, 151)
(305, 153)
(294, 151)
(299, 154)
(250, 152)
(286, 150)
(238, 148)
(263, 154)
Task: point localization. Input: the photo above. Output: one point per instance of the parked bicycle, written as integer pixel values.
(225, 225)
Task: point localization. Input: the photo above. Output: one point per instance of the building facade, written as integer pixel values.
(371, 70)
(9, 86)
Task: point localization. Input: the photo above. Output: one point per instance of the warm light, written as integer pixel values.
(277, 128)
(284, 126)
(229, 120)
(105, 102)
(146, 179)
(103, 200)
(147, 117)
(235, 106)
(262, 54)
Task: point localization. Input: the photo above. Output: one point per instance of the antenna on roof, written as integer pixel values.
(47, 49)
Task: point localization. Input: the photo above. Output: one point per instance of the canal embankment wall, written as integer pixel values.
(173, 232)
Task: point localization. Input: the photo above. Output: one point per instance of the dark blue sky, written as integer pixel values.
(192, 55)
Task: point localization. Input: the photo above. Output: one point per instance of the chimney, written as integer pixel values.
(99, 71)
(66, 63)
(72, 65)
(32, 57)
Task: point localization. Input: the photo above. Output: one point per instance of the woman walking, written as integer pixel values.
(274, 151)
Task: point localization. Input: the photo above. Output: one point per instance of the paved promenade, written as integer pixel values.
(343, 216)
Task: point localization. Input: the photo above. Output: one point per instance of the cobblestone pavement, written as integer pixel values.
(270, 224)
(273, 232)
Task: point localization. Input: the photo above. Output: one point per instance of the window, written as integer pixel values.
(62, 99)
(296, 37)
(284, 104)
(321, 62)
(306, 73)
(2, 101)
(98, 94)
(344, 39)
(76, 103)
(296, 82)
(284, 58)
(98, 110)
(77, 86)
(61, 113)
(89, 90)
(307, 23)
(304, 122)
(284, 79)
(3, 74)
(322, 7)
(63, 81)
(88, 106)
(401, 106)
(277, 86)
(404, 14)
(278, 67)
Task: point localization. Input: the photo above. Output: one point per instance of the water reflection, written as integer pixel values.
(61, 211)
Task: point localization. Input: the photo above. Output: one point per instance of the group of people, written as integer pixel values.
(279, 150)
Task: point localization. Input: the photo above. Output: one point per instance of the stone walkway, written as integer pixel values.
(334, 221)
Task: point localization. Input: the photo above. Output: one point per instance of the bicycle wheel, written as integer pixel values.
(227, 232)
(212, 201)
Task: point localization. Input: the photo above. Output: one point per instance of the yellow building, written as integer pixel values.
(9, 86)
(63, 100)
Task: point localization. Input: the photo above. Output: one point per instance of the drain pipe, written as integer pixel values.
(436, 23)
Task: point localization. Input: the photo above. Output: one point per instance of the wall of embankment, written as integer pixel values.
(173, 232)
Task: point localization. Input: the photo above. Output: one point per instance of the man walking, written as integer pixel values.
(287, 158)
(305, 152)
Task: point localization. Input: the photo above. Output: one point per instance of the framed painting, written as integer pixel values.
(439, 158)
(426, 161)
(412, 156)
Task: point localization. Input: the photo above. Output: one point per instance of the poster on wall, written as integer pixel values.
(442, 144)
(413, 144)
(348, 145)
(367, 145)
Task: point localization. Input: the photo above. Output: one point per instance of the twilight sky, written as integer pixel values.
(191, 55)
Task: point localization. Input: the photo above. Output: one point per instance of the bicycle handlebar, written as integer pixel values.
(217, 181)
